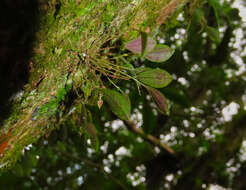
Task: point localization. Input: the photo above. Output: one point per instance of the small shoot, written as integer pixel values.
(100, 102)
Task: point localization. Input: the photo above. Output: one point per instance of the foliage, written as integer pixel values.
(107, 132)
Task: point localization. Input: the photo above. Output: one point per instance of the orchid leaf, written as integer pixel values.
(118, 103)
(137, 45)
(159, 100)
(160, 53)
(156, 78)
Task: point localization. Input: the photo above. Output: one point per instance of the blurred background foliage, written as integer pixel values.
(206, 126)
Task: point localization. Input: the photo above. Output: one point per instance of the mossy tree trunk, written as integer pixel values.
(74, 39)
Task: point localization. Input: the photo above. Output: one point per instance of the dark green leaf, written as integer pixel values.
(156, 78)
(198, 16)
(118, 103)
(149, 118)
(18, 170)
(177, 96)
(216, 6)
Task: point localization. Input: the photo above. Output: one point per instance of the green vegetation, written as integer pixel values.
(130, 95)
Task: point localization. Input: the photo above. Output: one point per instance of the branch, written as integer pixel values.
(168, 10)
(131, 125)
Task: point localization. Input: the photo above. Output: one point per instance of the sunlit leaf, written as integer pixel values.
(156, 78)
(160, 53)
(135, 46)
(118, 103)
(159, 100)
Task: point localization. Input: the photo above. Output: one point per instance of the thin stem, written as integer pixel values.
(114, 85)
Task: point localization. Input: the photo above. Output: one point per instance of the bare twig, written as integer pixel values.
(131, 125)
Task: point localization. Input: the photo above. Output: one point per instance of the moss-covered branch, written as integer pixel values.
(73, 40)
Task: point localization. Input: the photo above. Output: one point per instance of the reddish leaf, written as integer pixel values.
(135, 46)
(159, 100)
